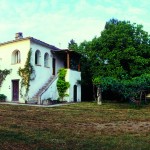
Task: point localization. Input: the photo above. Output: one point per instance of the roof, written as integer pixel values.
(44, 44)
(33, 40)
(53, 48)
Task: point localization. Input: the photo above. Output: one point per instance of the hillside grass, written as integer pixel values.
(77, 126)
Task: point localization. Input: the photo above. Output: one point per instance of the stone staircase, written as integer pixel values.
(36, 99)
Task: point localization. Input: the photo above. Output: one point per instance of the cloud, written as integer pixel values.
(60, 21)
(53, 27)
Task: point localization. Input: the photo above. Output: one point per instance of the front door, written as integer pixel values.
(15, 90)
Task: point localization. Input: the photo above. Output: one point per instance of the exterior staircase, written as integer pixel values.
(36, 99)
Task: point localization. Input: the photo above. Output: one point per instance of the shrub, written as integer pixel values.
(62, 85)
(2, 97)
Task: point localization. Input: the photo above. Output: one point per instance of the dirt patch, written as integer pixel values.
(125, 126)
(113, 128)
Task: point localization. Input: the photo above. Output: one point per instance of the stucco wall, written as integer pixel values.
(5, 56)
(42, 73)
(59, 62)
(72, 77)
(51, 92)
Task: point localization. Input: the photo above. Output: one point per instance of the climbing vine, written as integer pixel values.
(26, 73)
(3, 74)
(62, 85)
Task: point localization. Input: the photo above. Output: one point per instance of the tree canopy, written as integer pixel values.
(119, 57)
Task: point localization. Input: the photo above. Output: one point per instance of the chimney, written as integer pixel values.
(19, 35)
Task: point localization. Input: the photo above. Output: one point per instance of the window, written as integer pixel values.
(16, 57)
(46, 60)
(38, 57)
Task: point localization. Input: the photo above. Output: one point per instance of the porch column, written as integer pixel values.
(79, 67)
(68, 60)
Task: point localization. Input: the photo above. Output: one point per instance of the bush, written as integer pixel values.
(62, 85)
(2, 98)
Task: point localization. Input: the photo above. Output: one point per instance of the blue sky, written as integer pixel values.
(58, 21)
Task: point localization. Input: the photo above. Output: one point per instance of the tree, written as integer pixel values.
(118, 56)
(72, 45)
(126, 48)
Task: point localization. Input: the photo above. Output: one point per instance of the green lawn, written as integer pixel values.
(75, 127)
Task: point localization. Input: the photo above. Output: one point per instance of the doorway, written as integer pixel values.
(15, 90)
(75, 93)
(54, 65)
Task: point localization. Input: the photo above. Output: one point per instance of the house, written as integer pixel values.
(45, 60)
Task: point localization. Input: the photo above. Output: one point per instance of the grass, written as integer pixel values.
(78, 126)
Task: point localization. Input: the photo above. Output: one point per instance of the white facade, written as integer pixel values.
(46, 63)
(73, 77)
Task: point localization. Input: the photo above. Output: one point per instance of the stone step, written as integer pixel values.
(32, 102)
(39, 92)
(41, 89)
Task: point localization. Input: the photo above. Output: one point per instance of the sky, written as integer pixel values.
(56, 22)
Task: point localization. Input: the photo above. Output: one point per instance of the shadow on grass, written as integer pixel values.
(6, 135)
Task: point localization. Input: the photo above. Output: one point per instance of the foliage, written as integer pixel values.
(2, 97)
(62, 85)
(118, 57)
(126, 47)
(3, 74)
(72, 45)
(126, 88)
(26, 72)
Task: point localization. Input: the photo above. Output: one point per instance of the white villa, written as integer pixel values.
(46, 61)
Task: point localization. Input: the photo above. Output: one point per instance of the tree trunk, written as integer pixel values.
(94, 93)
(99, 96)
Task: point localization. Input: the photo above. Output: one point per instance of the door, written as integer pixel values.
(54, 66)
(75, 93)
(15, 90)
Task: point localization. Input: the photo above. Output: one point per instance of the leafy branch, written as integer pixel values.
(26, 72)
(62, 85)
(3, 74)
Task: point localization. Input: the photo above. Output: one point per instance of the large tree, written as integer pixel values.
(119, 56)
